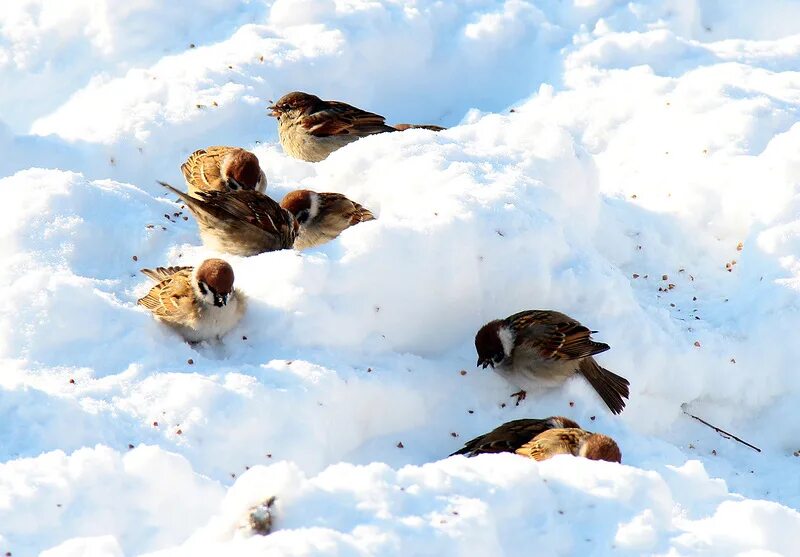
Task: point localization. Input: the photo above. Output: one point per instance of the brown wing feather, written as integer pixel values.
(555, 335)
(340, 118)
(160, 273)
(172, 299)
(202, 169)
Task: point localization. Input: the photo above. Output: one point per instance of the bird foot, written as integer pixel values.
(520, 396)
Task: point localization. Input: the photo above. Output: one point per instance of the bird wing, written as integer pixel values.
(555, 335)
(160, 273)
(172, 299)
(202, 168)
(338, 118)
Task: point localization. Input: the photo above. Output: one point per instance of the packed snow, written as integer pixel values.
(635, 165)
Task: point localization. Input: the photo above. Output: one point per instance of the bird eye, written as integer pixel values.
(302, 216)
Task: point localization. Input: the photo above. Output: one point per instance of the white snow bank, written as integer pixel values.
(662, 148)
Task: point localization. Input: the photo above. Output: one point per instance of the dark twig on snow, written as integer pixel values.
(718, 430)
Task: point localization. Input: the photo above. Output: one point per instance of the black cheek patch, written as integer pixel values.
(202, 288)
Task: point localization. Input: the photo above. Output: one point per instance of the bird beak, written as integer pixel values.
(274, 111)
(220, 300)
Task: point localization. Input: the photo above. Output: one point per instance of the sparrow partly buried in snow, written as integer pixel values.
(322, 216)
(240, 222)
(510, 436)
(311, 129)
(200, 303)
(547, 347)
(574, 441)
(222, 168)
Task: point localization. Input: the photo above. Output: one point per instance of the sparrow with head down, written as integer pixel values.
(547, 347)
(221, 168)
(574, 441)
(200, 303)
(510, 436)
(543, 439)
(240, 222)
(310, 129)
(322, 216)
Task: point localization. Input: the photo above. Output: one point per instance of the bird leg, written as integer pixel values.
(520, 396)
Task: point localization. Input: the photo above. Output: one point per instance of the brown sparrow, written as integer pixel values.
(547, 347)
(311, 129)
(510, 436)
(222, 168)
(574, 441)
(240, 222)
(322, 216)
(200, 303)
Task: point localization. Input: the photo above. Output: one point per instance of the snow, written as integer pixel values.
(647, 139)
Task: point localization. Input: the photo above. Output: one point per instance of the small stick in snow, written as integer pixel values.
(718, 430)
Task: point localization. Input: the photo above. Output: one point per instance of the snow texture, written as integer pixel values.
(635, 165)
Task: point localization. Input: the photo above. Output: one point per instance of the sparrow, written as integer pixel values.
(510, 436)
(322, 216)
(311, 129)
(574, 441)
(547, 347)
(200, 303)
(222, 168)
(240, 222)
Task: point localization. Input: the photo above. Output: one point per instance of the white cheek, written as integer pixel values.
(507, 340)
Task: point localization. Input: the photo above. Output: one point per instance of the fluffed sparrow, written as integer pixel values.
(221, 168)
(311, 129)
(322, 216)
(240, 222)
(200, 303)
(574, 441)
(547, 347)
(510, 436)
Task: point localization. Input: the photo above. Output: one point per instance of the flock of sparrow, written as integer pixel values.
(226, 195)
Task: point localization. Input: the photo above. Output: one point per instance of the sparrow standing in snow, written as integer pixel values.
(574, 441)
(311, 129)
(547, 347)
(322, 216)
(222, 168)
(200, 303)
(510, 436)
(240, 222)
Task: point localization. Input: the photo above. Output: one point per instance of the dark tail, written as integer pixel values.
(193, 203)
(610, 386)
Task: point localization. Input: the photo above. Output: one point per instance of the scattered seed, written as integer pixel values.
(571, 404)
(244, 337)
(670, 286)
(592, 417)
(400, 445)
(634, 196)
(179, 432)
(739, 246)
(697, 343)
(135, 258)
(369, 370)
(155, 424)
(635, 275)
(269, 455)
(71, 381)
(453, 434)
(502, 405)
(190, 361)
(130, 446)
(463, 372)
(733, 360)
(470, 411)
(664, 277)
(233, 475)
(191, 45)
(694, 298)
(714, 452)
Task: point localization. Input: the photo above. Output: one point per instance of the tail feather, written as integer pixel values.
(197, 207)
(611, 387)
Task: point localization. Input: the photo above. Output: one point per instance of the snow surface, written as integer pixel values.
(646, 139)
